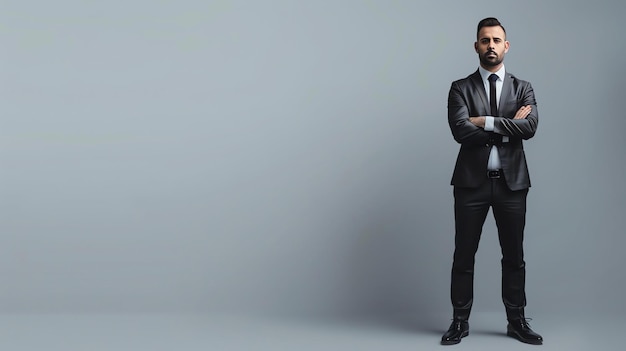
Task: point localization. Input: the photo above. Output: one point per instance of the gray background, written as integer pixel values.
(293, 158)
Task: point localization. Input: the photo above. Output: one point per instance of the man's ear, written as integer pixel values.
(506, 46)
(476, 46)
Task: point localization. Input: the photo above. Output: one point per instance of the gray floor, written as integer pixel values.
(227, 332)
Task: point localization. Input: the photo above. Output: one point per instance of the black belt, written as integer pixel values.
(494, 174)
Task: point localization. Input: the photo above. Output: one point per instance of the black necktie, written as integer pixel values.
(492, 95)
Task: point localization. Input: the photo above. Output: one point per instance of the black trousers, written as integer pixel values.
(471, 206)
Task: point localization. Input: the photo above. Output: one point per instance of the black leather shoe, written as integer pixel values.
(458, 329)
(520, 330)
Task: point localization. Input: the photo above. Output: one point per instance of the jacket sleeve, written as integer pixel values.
(522, 128)
(463, 130)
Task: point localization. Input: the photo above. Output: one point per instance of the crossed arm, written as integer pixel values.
(468, 129)
(522, 113)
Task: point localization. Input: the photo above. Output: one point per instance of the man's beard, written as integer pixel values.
(490, 62)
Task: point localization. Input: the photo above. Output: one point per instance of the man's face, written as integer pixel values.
(491, 46)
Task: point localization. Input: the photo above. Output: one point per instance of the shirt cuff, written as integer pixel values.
(489, 123)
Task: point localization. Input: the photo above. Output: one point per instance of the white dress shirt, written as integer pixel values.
(494, 157)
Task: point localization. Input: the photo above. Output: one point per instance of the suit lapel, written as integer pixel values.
(477, 80)
(505, 94)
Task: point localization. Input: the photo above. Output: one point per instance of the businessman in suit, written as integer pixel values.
(490, 113)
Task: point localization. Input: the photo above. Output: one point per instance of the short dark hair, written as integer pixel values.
(489, 22)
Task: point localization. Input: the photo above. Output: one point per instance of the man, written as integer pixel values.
(490, 112)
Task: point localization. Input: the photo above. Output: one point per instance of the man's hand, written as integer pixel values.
(478, 121)
(522, 112)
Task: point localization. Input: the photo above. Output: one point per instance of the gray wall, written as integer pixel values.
(292, 157)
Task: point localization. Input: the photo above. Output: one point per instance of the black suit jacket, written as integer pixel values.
(468, 98)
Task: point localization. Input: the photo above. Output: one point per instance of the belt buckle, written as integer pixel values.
(493, 174)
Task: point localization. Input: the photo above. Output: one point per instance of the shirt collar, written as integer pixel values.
(485, 74)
